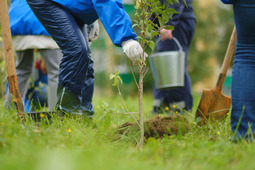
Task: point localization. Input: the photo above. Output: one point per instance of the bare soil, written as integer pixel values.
(158, 126)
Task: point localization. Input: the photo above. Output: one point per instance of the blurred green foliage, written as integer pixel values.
(213, 29)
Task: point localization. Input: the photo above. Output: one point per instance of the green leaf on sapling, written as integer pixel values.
(154, 33)
(120, 80)
(134, 25)
(149, 27)
(148, 34)
(169, 27)
(185, 3)
(112, 76)
(165, 18)
(114, 82)
(151, 44)
(156, 10)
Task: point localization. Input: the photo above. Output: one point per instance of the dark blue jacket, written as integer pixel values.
(184, 13)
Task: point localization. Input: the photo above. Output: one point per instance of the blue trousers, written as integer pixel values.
(183, 32)
(76, 77)
(243, 75)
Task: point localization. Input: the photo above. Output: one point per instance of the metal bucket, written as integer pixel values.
(168, 68)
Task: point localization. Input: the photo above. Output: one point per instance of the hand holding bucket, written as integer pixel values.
(168, 67)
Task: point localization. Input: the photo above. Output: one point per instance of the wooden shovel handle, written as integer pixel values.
(227, 60)
(9, 59)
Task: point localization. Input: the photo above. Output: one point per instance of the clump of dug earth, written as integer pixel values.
(158, 127)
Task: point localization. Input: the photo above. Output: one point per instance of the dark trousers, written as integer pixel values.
(76, 78)
(183, 32)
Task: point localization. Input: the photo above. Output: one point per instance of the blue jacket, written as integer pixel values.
(116, 21)
(23, 21)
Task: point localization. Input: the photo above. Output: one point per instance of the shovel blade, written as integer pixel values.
(213, 106)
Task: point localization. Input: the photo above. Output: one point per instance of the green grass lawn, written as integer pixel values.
(75, 144)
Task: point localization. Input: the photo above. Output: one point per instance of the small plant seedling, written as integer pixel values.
(151, 16)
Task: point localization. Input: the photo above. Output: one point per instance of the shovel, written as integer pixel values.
(9, 58)
(214, 105)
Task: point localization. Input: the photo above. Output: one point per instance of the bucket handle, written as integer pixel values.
(175, 40)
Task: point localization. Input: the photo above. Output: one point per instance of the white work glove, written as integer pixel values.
(133, 50)
(93, 31)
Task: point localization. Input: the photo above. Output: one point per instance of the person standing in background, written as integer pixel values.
(27, 35)
(184, 26)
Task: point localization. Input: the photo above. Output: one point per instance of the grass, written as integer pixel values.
(75, 144)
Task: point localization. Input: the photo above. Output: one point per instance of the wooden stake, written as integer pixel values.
(9, 58)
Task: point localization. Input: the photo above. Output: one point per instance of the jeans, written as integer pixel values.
(243, 75)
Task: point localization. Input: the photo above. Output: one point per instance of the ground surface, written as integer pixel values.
(72, 143)
(158, 126)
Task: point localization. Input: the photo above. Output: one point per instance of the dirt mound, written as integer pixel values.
(158, 126)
